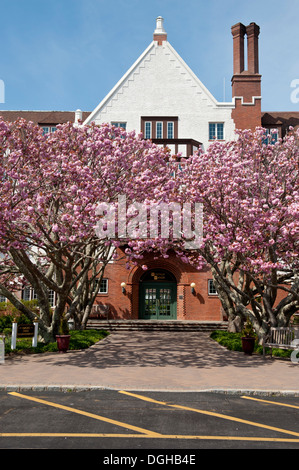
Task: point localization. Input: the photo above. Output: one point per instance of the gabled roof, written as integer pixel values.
(281, 118)
(168, 50)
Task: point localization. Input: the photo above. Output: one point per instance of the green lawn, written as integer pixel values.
(79, 340)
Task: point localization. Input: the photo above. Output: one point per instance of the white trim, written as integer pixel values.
(211, 281)
(153, 45)
(151, 130)
(107, 286)
(159, 122)
(119, 84)
(197, 80)
(254, 98)
(172, 123)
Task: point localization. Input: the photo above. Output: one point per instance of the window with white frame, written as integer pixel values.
(2, 298)
(271, 136)
(28, 293)
(216, 131)
(159, 130)
(148, 130)
(123, 125)
(49, 129)
(211, 287)
(52, 298)
(170, 127)
(103, 287)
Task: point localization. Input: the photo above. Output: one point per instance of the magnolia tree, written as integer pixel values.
(49, 195)
(250, 195)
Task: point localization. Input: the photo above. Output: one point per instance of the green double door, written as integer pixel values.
(158, 301)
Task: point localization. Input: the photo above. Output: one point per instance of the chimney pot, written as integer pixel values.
(78, 116)
(238, 32)
(160, 34)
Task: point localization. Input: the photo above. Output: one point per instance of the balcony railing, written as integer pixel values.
(186, 147)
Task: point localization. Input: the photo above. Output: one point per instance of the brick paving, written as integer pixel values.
(150, 361)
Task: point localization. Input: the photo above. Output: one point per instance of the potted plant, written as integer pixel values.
(63, 338)
(248, 338)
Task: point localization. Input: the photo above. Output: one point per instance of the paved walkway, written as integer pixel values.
(162, 361)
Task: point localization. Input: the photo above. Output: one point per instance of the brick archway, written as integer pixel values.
(174, 267)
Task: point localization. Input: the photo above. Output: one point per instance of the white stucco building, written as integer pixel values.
(161, 97)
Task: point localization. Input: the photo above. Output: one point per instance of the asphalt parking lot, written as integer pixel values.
(125, 420)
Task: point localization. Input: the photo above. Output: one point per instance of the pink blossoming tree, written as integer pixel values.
(250, 196)
(249, 192)
(50, 189)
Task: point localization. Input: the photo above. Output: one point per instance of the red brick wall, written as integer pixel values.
(198, 306)
(246, 84)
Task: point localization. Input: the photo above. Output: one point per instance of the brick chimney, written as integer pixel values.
(160, 34)
(246, 84)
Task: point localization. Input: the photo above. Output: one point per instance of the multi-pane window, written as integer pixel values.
(159, 130)
(103, 288)
(49, 129)
(271, 136)
(159, 127)
(123, 125)
(2, 298)
(216, 131)
(211, 287)
(170, 130)
(148, 130)
(28, 293)
(52, 298)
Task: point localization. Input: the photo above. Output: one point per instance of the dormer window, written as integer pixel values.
(271, 136)
(49, 129)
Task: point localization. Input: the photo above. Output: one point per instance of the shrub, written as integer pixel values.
(233, 342)
(79, 340)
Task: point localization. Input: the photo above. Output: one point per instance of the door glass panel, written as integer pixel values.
(150, 301)
(165, 302)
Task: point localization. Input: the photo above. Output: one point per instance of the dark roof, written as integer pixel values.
(283, 119)
(43, 117)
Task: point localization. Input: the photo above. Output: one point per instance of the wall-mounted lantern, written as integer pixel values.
(192, 285)
(123, 287)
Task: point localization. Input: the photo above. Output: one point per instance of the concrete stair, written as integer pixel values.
(156, 325)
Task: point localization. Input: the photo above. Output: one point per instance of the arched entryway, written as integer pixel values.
(157, 295)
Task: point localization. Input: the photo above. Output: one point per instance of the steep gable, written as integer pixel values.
(160, 83)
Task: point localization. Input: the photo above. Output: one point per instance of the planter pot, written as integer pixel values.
(248, 345)
(63, 342)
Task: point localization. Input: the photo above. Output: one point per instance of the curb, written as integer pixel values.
(76, 388)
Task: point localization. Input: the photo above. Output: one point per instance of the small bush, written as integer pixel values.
(82, 339)
(233, 342)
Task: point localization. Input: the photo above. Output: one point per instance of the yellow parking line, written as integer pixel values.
(272, 402)
(211, 413)
(90, 415)
(149, 436)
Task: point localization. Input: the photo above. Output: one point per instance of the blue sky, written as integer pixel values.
(68, 54)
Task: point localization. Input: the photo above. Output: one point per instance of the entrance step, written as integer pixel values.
(156, 325)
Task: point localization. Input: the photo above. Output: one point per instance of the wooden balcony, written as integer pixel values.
(186, 147)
